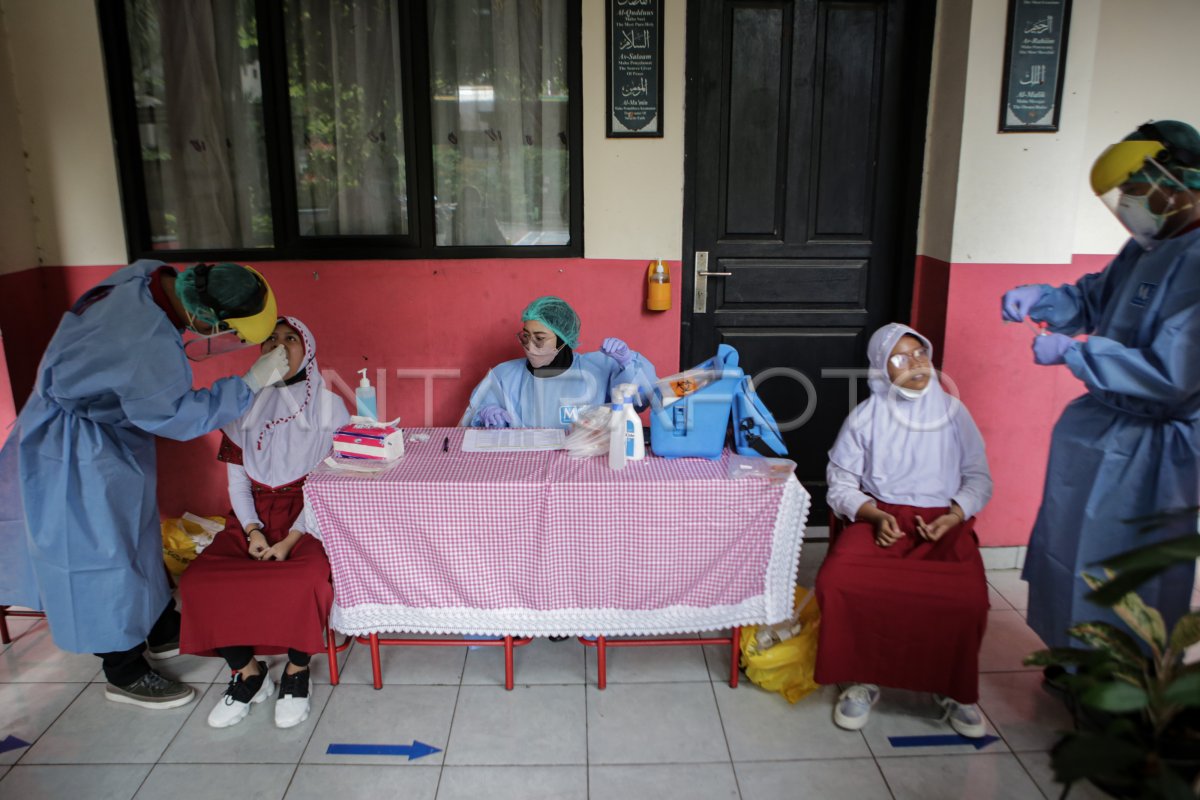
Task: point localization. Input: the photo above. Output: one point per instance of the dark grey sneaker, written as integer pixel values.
(157, 652)
(151, 691)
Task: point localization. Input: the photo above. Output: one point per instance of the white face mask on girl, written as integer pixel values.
(540, 357)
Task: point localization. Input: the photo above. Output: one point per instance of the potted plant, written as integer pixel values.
(1136, 704)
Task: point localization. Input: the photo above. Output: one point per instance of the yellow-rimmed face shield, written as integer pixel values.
(247, 325)
(1142, 194)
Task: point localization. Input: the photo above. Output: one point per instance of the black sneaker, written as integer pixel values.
(292, 706)
(157, 652)
(151, 691)
(234, 704)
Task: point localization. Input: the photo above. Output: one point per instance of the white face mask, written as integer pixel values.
(1134, 213)
(540, 358)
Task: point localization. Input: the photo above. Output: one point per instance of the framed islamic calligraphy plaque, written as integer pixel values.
(634, 49)
(1035, 57)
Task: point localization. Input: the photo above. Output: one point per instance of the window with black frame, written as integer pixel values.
(346, 128)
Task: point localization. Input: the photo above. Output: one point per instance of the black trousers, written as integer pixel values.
(239, 656)
(123, 667)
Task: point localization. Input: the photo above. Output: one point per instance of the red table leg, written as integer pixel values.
(508, 663)
(601, 663)
(735, 654)
(331, 650)
(376, 668)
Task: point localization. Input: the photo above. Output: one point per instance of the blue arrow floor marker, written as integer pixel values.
(12, 743)
(414, 750)
(941, 740)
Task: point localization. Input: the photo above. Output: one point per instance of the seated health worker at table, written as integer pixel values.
(263, 585)
(114, 376)
(902, 593)
(547, 387)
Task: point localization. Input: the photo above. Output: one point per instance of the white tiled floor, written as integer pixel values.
(667, 726)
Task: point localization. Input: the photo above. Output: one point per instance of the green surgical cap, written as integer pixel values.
(1179, 137)
(213, 292)
(556, 315)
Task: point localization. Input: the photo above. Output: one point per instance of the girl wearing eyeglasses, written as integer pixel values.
(903, 594)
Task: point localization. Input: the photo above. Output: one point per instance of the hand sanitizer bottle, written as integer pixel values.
(364, 398)
(631, 423)
(616, 436)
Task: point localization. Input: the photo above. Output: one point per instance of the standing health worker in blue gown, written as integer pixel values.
(114, 376)
(547, 388)
(1130, 447)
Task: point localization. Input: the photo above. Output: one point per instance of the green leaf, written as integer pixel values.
(1060, 655)
(1186, 632)
(1116, 697)
(1183, 691)
(1110, 593)
(1143, 620)
(1111, 640)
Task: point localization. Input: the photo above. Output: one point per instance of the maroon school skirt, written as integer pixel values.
(910, 616)
(229, 599)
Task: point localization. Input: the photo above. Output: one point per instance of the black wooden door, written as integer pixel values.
(802, 133)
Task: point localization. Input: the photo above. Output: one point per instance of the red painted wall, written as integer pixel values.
(449, 317)
(1014, 401)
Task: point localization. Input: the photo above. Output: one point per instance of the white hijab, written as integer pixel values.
(289, 429)
(907, 449)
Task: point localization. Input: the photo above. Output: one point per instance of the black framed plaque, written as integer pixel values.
(1035, 57)
(634, 47)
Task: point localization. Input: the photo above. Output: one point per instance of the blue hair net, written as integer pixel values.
(556, 315)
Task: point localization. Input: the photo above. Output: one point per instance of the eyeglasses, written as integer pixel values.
(905, 360)
(539, 339)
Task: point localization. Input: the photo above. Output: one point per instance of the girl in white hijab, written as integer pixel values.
(903, 594)
(263, 585)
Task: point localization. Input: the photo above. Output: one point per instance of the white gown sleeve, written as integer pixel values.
(844, 496)
(975, 489)
(307, 521)
(240, 496)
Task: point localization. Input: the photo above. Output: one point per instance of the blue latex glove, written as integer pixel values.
(617, 350)
(1017, 302)
(495, 417)
(1051, 348)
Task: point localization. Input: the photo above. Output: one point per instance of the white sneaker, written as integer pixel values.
(853, 708)
(965, 719)
(234, 705)
(291, 707)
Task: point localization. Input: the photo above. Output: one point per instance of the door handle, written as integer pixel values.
(700, 284)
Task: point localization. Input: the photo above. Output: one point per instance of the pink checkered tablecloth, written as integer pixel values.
(540, 544)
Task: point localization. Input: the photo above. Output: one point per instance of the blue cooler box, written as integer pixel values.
(695, 426)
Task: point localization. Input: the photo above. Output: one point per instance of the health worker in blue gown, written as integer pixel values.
(1130, 447)
(548, 387)
(114, 376)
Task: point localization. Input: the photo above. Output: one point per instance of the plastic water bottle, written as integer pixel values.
(616, 437)
(364, 398)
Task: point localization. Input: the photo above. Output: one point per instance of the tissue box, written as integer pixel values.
(379, 441)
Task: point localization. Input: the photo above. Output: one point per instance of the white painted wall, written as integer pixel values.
(1024, 197)
(633, 188)
(18, 249)
(59, 79)
(633, 204)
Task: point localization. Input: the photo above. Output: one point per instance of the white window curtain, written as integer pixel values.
(499, 86)
(345, 87)
(199, 99)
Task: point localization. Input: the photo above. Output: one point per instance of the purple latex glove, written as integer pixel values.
(1017, 302)
(495, 417)
(617, 350)
(1051, 348)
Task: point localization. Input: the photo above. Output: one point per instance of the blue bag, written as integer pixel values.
(755, 432)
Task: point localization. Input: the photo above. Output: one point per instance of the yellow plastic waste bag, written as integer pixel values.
(185, 537)
(787, 666)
